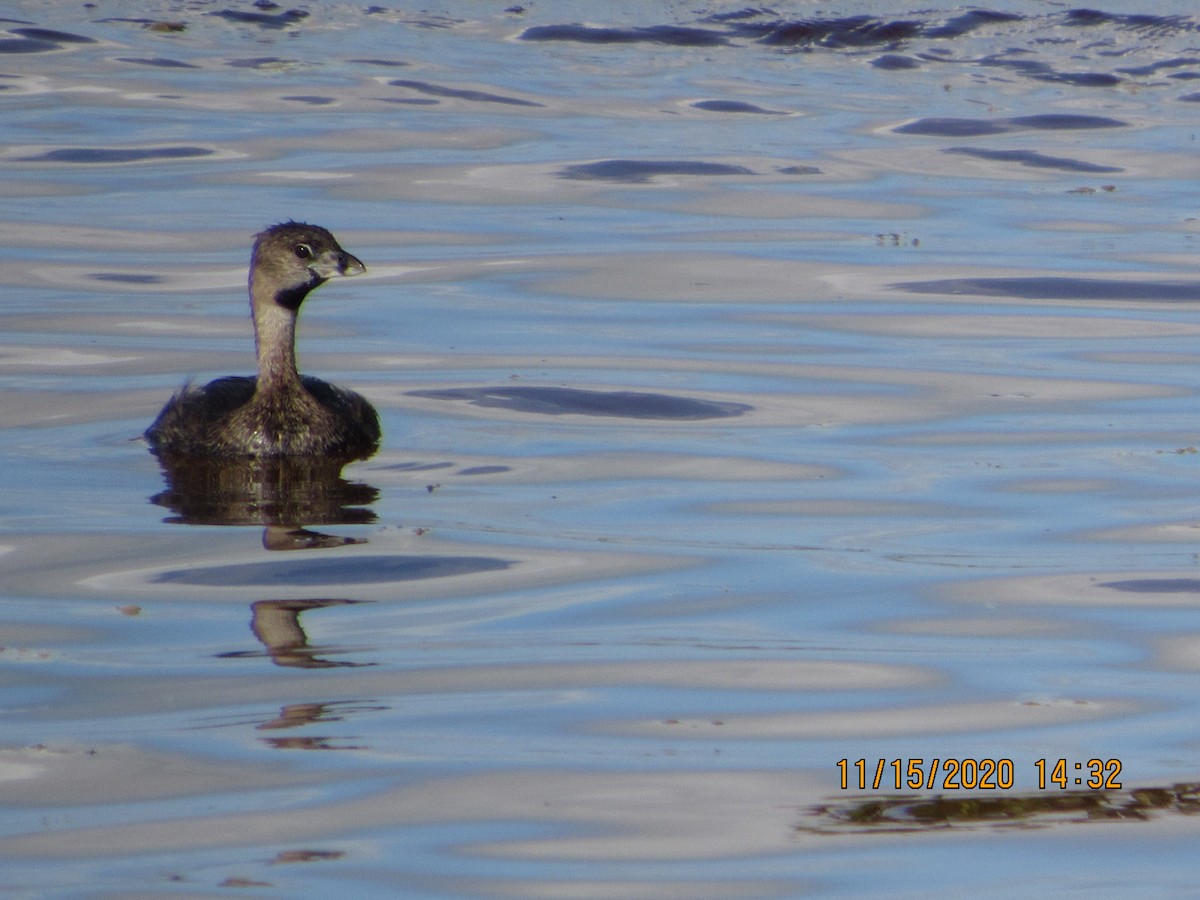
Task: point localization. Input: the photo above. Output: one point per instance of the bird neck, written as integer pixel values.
(274, 338)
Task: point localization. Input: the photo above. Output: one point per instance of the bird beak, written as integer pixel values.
(350, 265)
(332, 263)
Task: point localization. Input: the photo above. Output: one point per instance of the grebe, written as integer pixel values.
(281, 412)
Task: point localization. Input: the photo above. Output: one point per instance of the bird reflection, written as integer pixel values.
(283, 495)
(298, 715)
(276, 624)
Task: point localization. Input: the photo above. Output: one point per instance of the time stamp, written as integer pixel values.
(971, 774)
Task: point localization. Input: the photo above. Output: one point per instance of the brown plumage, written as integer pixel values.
(279, 412)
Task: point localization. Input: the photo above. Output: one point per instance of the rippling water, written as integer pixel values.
(761, 388)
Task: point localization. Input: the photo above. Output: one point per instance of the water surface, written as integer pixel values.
(761, 389)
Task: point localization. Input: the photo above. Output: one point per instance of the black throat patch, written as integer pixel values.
(291, 298)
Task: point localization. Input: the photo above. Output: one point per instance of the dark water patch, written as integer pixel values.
(641, 171)
(1081, 79)
(486, 470)
(262, 19)
(126, 278)
(739, 15)
(436, 90)
(850, 31)
(765, 26)
(1185, 76)
(1190, 98)
(1059, 288)
(734, 106)
(799, 170)
(964, 127)
(157, 62)
(391, 63)
(1155, 67)
(944, 126)
(259, 62)
(856, 31)
(1033, 159)
(674, 35)
(161, 26)
(49, 34)
(1160, 25)
(553, 401)
(108, 156)
(1040, 71)
(895, 61)
(964, 24)
(21, 45)
(415, 467)
(1155, 585)
(310, 99)
(410, 101)
(1065, 122)
(328, 571)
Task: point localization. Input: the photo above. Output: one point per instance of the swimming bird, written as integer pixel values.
(280, 412)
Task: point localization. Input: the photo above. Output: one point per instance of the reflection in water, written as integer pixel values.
(294, 856)
(1036, 810)
(315, 742)
(276, 623)
(297, 715)
(281, 494)
(281, 537)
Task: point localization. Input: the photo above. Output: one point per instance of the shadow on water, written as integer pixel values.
(1155, 585)
(642, 171)
(556, 401)
(1035, 160)
(332, 572)
(39, 40)
(435, 90)
(1059, 288)
(111, 156)
(963, 127)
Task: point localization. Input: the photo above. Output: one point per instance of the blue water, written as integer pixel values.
(760, 389)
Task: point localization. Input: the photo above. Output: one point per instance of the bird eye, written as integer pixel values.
(303, 251)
